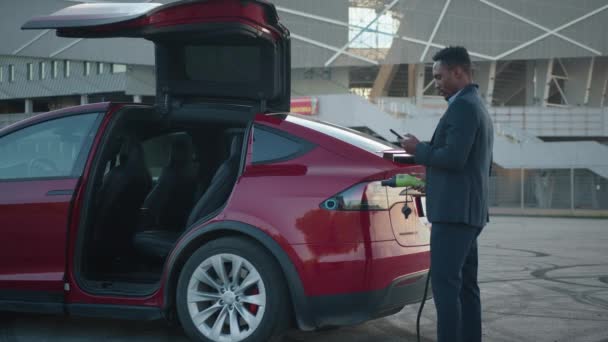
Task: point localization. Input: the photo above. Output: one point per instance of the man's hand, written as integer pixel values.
(409, 143)
(421, 176)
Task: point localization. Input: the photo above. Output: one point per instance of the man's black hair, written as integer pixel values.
(452, 56)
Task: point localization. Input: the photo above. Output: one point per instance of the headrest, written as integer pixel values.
(128, 148)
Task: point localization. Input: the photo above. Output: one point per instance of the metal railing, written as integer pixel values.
(553, 189)
(548, 121)
(539, 121)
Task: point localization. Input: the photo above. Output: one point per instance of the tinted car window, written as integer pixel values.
(350, 136)
(212, 63)
(271, 146)
(47, 149)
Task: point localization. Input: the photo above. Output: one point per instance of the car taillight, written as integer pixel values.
(362, 196)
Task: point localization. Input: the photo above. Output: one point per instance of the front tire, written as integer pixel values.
(231, 290)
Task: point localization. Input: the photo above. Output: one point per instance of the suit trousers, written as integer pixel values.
(454, 282)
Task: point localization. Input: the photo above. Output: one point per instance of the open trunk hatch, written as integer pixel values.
(208, 50)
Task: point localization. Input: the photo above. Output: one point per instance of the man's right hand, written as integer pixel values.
(409, 143)
(421, 176)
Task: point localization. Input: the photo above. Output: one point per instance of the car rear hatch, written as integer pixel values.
(207, 51)
(406, 208)
(412, 229)
(369, 195)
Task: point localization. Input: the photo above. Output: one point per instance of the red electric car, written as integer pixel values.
(213, 207)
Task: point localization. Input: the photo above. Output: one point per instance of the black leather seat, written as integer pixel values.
(119, 200)
(159, 243)
(171, 200)
(221, 183)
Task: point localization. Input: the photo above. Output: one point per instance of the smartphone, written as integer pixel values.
(399, 137)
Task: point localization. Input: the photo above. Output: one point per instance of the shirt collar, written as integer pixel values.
(453, 97)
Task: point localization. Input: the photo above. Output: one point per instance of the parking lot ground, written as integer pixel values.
(542, 279)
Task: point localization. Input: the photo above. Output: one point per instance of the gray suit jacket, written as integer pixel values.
(458, 161)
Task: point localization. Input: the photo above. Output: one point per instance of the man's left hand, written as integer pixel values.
(409, 143)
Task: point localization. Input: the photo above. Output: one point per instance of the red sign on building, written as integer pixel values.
(305, 105)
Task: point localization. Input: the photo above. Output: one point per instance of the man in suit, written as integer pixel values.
(458, 160)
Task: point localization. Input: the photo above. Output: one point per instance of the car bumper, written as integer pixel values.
(348, 309)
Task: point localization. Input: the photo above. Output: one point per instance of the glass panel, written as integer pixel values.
(505, 188)
(55, 69)
(42, 69)
(30, 71)
(47, 149)
(118, 68)
(590, 190)
(547, 189)
(360, 17)
(268, 146)
(223, 64)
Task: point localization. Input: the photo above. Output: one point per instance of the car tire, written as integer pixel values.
(216, 304)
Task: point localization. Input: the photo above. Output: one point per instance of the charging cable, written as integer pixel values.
(407, 181)
(424, 296)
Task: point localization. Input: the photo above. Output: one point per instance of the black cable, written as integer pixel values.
(426, 289)
(428, 277)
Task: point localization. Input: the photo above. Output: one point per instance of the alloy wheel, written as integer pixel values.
(226, 298)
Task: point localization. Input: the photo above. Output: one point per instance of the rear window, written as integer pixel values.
(350, 136)
(233, 64)
(271, 146)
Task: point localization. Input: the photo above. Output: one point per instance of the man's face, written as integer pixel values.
(447, 81)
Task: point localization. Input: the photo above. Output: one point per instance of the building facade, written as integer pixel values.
(542, 67)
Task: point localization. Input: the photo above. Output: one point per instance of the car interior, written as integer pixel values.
(150, 183)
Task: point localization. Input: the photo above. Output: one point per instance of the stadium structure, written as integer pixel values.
(542, 68)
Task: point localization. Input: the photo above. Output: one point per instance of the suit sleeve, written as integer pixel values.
(461, 126)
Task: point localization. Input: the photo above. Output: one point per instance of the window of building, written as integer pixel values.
(379, 35)
(119, 68)
(66, 68)
(30, 71)
(1, 74)
(11, 73)
(87, 68)
(55, 69)
(42, 68)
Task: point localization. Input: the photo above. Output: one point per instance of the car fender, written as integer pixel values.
(195, 238)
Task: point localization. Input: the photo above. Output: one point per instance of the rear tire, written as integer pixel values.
(216, 304)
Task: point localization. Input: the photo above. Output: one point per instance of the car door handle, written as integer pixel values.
(60, 192)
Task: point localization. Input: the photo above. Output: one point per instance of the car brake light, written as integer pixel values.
(366, 196)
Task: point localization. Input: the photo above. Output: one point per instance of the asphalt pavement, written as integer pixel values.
(542, 279)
